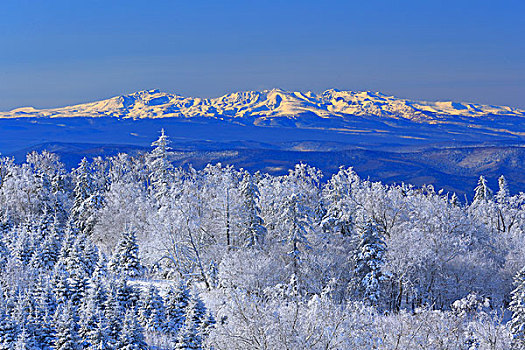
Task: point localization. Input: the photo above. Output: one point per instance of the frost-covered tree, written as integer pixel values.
(190, 335)
(253, 229)
(98, 336)
(87, 198)
(295, 218)
(369, 262)
(124, 196)
(503, 192)
(8, 329)
(24, 341)
(337, 198)
(159, 166)
(152, 311)
(125, 259)
(482, 192)
(517, 306)
(67, 337)
(132, 335)
(177, 300)
(47, 255)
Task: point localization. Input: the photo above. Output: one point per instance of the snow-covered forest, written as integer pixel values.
(133, 253)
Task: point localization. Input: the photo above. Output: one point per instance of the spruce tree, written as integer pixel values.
(482, 192)
(132, 335)
(125, 259)
(294, 217)
(4, 253)
(44, 307)
(152, 312)
(77, 286)
(88, 198)
(98, 337)
(24, 341)
(189, 337)
(253, 229)
(517, 306)
(177, 300)
(197, 325)
(24, 247)
(159, 166)
(369, 262)
(114, 314)
(503, 191)
(89, 315)
(8, 330)
(60, 282)
(339, 209)
(127, 296)
(47, 256)
(67, 337)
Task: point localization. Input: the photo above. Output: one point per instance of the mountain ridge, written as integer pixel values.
(275, 107)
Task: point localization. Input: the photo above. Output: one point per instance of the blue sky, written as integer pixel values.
(55, 53)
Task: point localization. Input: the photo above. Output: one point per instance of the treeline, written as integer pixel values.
(288, 262)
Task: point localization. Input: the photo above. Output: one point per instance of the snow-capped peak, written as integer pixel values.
(268, 106)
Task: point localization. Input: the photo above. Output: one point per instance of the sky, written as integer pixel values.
(56, 53)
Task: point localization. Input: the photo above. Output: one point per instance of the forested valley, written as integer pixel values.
(130, 252)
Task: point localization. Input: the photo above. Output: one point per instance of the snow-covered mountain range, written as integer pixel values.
(273, 107)
(387, 138)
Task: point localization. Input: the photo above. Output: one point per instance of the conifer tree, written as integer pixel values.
(369, 262)
(98, 337)
(60, 282)
(88, 198)
(503, 192)
(159, 166)
(152, 312)
(6, 225)
(24, 341)
(336, 199)
(77, 285)
(253, 229)
(207, 325)
(126, 295)
(517, 306)
(125, 259)
(189, 337)
(24, 247)
(132, 335)
(8, 330)
(47, 256)
(101, 268)
(4, 253)
(196, 327)
(44, 307)
(482, 192)
(294, 217)
(113, 312)
(67, 337)
(177, 300)
(89, 317)
(88, 253)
